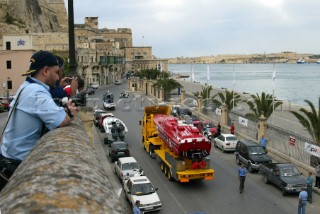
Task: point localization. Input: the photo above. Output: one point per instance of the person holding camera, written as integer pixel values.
(58, 91)
(32, 113)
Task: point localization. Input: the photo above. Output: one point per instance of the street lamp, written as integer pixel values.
(72, 56)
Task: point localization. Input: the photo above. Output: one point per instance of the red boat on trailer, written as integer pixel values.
(183, 139)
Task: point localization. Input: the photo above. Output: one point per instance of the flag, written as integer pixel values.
(192, 75)
(208, 73)
(234, 79)
(274, 78)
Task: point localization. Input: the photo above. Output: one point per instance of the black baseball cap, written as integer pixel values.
(39, 60)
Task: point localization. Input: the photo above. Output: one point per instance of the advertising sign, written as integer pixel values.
(292, 141)
(312, 149)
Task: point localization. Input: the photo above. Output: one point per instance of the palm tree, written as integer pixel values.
(205, 93)
(230, 99)
(262, 105)
(310, 120)
(168, 85)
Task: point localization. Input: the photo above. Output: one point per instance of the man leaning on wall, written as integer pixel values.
(32, 113)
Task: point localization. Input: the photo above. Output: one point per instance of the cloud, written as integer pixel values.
(210, 27)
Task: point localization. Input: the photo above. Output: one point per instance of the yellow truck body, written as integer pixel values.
(175, 167)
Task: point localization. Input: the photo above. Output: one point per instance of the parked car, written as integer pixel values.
(174, 110)
(1, 107)
(127, 167)
(6, 103)
(108, 101)
(124, 94)
(117, 82)
(90, 91)
(226, 142)
(212, 128)
(284, 175)
(182, 111)
(140, 188)
(195, 120)
(96, 115)
(118, 149)
(94, 85)
(101, 118)
(251, 155)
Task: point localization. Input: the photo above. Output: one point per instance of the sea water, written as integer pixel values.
(293, 82)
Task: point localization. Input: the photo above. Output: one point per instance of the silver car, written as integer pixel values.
(127, 167)
(226, 142)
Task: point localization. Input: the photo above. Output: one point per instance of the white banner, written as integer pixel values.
(312, 149)
(243, 121)
(218, 111)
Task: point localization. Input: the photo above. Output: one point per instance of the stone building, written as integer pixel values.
(105, 55)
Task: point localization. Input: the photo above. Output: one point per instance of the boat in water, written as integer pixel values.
(182, 138)
(301, 61)
(318, 61)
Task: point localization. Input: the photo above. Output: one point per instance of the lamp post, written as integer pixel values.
(72, 56)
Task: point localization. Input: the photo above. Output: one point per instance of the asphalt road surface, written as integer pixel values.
(220, 195)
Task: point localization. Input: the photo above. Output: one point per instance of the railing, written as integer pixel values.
(62, 174)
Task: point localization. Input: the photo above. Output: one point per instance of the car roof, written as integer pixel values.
(119, 142)
(249, 143)
(127, 160)
(140, 179)
(229, 135)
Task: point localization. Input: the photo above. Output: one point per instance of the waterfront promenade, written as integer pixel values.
(282, 124)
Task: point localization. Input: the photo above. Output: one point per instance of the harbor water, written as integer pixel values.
(293, 82)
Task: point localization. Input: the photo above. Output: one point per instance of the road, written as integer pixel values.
(220, 195)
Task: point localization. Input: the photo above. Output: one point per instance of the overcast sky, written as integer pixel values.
(190, 28)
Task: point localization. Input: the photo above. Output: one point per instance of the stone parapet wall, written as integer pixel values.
(62, 174)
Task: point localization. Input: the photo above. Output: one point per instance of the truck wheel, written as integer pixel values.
(265, 179)
(151, 151)
(169, 175)
(162, 166)
(238, 160)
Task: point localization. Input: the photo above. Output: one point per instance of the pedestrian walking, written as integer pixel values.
(232, 129)
(263, 142)
(136, 207)
(309, 186)
(219, 130)
(32, 113)
(318, 175)
(242, 176)
(303, 197)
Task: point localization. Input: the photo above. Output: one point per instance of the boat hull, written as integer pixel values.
(182, 139)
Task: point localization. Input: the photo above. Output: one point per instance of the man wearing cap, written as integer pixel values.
(33, 110)
(136, 207)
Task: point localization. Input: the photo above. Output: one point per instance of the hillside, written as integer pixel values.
(32, 16)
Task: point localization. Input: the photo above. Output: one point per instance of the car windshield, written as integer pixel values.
(288, 171)
(130, 166)
(120, 146)
(142, 189)
(255, 150)
(231, 138)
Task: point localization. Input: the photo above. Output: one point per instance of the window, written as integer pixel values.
(8, 64)
(8, 46)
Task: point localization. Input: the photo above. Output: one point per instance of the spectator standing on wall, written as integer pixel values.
(232, 129)
(33, 112)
